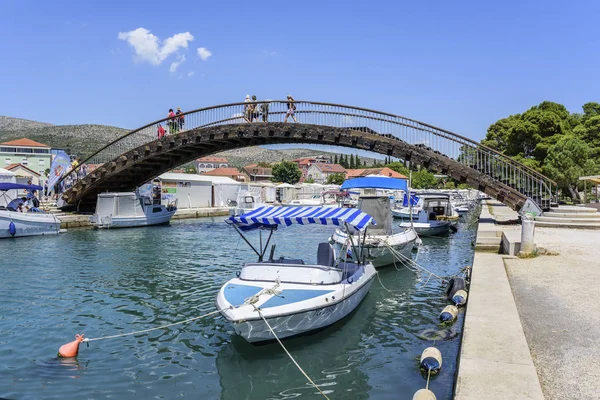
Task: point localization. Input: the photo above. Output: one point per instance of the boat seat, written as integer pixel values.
(325, 255)
(349, 269)
(282, 260)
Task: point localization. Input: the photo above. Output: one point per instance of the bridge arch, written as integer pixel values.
(139, 156)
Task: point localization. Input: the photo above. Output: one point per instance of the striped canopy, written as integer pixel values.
(271, 217)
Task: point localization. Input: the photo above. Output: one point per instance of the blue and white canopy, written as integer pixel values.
(271, 217)
(375, 182)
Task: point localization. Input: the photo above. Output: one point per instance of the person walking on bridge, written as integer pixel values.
(180, 118)
(291, 108)
(248, 109)
(172, 122)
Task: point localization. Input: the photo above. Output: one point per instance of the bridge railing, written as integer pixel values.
(468, 152)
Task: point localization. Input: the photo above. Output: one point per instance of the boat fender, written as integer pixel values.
(70, 349)
(237, 274)
(449, 313)
(431, 359)
(424, 394)
(453, 228)
(460, 298)
(351, 279)
(454, 285)
(12, 229)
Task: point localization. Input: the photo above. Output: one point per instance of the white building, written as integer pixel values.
(319, 172)
(209, 163)
(197, 191)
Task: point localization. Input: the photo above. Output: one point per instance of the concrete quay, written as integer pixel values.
(495, 362)
(70, 221)
(532, 325)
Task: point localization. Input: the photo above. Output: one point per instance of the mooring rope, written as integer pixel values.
(288, 353)
(152, 329)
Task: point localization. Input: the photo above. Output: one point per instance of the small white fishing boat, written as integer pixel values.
(315, 200)
(129, 210)
(382, 246)
(292, 296)
(20, 217)
(435, 216)
(246, 201)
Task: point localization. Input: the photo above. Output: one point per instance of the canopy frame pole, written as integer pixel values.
(264, 250)
(354, 249)
(362, 249)
(246, 240)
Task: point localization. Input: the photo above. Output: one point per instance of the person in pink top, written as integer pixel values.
(173, 126)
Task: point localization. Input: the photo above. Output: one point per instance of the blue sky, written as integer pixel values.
(457, 65)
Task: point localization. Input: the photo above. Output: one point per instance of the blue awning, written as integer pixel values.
(4, 186)
(271, 217)
(414, 200)
(376, 182)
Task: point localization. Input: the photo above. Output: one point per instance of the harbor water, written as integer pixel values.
(109, 282)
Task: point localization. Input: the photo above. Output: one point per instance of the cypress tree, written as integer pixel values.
(335, 159)
(351, 163)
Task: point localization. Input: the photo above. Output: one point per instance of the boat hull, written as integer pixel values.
(430, 229)
(133, 221)
(336, 302)
(28, 224)
(378, 247)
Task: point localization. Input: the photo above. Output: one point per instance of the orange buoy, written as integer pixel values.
(70, 349)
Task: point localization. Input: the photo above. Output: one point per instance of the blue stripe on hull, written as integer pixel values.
(237, 294)
(289, 296)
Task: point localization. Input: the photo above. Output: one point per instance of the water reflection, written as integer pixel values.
(109, 282)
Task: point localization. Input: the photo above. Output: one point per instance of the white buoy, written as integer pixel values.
(431, 359)
(449, 313)
(460, 298)
(424, 394)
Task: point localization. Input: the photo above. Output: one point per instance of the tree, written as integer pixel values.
(264, 164)
(423, 179)
(286, 172)
(364, 163)
(567, 160)
(399, 168)
(335, 179)
(351, 163)
(335, 159)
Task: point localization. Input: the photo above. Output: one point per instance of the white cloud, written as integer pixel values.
(191, 73)
(176, 64)
(147, 47)
(204, 53)
(269, 52)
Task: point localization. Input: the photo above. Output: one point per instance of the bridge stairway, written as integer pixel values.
(569, 217)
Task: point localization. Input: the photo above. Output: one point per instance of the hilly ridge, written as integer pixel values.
(83, 140)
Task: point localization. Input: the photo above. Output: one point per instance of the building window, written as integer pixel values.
(41, 163)
(24, 150)
(24, 162)
(41, 151)
(8, 149)
(7, 161)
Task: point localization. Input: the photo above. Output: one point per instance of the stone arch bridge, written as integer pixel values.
(138, 156)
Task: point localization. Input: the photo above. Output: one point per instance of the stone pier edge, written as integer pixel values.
(495, 362)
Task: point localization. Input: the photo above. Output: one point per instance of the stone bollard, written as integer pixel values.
(527, 231)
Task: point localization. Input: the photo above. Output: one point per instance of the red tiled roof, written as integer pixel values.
(213, 160)
(223, 172)
(25, 143)
(17, 165)
(330, 168)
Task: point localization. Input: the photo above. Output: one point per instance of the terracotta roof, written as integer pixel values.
(254, 169)
(385, 171)
(330, 168)
(17, 165)
(213, 160)
(25, 143)
(223, 172)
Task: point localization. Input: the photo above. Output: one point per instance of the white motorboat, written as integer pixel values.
(381, 245)
(245, 202)
(315, 200)
(30, 221)
(294, 297)
(129, 210)
(435, 217)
